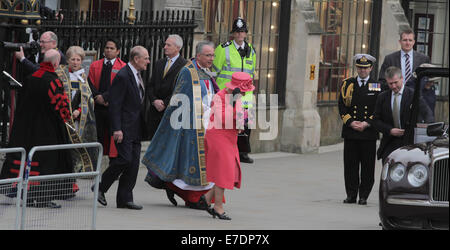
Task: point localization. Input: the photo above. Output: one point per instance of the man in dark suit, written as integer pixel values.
(126, 95)
(47, 41)
(356, 105)
(160, 87)
(406, 59)
(393, 111)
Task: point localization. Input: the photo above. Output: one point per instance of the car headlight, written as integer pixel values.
(384, 172)
(397, 172)
(417, 175)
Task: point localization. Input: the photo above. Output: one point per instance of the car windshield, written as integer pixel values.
(431, 85)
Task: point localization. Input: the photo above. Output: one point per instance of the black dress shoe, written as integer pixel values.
(210, 211)
(362, 201)
(51, 204)
(171, 196)
(101, 197)
(154, 181)
(130, 205)
(200, 205)
(349, 200)
(222, 216)
(243, 157)
(45, 204)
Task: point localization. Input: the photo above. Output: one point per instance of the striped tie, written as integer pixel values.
(407, 68)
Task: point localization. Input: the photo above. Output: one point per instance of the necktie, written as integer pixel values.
(169, 62)
(105, 77)
(396, 112)
(407, 68)
(140, 86)
(362, 83)
(241, 52)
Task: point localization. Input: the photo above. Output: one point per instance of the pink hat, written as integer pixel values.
(242, 81)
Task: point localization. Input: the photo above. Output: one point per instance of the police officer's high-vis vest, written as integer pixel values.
(227, 60)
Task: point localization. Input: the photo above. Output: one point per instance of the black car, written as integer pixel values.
(414, 185)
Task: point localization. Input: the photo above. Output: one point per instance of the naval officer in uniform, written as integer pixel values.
(357, 100)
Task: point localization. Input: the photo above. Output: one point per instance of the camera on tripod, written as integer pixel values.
(33, 47)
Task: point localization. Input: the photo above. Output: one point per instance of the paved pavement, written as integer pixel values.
(279, 191)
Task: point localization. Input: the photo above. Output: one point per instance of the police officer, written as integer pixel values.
(234, 56)
(356, 106)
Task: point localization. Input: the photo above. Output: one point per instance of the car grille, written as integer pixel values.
(440, 180)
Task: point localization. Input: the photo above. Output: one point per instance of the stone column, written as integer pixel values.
(190, 5)
(300, 131)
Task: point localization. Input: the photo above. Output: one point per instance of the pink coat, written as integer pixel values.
(222, 155)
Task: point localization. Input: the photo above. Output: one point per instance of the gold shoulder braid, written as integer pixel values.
(197, 102)
(347, 94)
(74, 137)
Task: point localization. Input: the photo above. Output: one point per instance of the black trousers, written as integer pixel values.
(103, 126)
(359, 167)
(125, 165)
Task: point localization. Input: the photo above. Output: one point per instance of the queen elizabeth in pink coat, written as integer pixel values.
(222, 155)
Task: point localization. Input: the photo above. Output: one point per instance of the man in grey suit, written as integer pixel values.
(406, 59)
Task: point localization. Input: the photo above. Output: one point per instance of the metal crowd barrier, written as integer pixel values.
(75, 209)
(10, 197)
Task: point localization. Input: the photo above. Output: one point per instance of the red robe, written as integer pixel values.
(95, 72)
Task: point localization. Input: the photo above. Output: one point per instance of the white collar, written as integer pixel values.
(112, 61)
(401, 90)
(403, 53)
(135, 71)
(365, 79)
(173, 59)
(77, 75)
(237, 46)
(79, 72)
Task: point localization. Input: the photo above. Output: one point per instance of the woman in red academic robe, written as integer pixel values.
(222, 155)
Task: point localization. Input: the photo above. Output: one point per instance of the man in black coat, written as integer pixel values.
(356, 105)
(160, 87)
(393, 111)
(407, 59)
(126, 95)
(40, 120)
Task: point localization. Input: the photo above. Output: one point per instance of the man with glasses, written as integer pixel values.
(48, 41)
(176, 155)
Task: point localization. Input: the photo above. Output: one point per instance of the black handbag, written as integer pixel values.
(243, 143)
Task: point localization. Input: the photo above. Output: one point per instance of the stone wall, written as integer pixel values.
(330, 125)
(300, 131)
